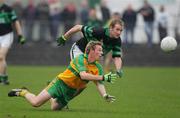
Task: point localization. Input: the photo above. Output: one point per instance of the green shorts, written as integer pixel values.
(59, 90)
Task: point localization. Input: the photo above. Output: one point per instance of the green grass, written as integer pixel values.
(142, 93)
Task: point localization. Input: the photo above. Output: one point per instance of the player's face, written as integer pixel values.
(116, 31)
(98, 52)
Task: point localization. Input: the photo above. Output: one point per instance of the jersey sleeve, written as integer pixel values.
(116, 50)
(13, 15)
(93, 33)
(100, 68)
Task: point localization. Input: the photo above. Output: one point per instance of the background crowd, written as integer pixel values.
(47, 19)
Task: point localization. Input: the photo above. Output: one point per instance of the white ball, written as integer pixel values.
(168, 44)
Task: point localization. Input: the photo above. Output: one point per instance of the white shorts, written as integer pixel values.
(6, 40)
(75, 51)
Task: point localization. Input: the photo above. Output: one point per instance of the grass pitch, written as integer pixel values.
(141, 93)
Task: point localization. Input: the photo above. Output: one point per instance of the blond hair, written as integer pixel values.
(116, 21)
(91, 45)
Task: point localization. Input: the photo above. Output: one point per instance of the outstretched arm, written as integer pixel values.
(102, 91)
(101, 88)
(87, 76)
(110, 77)
(62, 39)
(117, 62)
(18, 29)
(73, 30)
(118, 65)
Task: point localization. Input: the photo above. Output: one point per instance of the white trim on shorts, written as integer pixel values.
(6, 40)
(75, 51)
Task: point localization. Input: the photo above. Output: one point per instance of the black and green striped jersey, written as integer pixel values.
(7, 17)
(100, 34)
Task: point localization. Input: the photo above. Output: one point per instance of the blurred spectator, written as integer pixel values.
(17, 6)
(105, 12)
(93, 20)
(43, 18)
(54, 6)
(84, 12)
(93, 3)
(162, 21)
(69, 15)
(116, 15)
(29, 14)
(129, 17)
(148, 13)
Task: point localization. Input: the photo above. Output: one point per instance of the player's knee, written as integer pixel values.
(35, 105)
(55, 108)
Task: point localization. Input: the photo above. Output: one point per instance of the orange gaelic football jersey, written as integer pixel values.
(71, 75)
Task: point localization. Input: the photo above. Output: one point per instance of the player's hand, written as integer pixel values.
(21, 39)
(61, 40)
(120, 73)
(110, 77)
(109, 98)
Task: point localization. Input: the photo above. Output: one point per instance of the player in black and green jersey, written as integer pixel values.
(82, 69)
(110, 37)
(8, 19)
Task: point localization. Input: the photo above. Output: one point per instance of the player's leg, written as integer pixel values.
(55, 105)
(3, 65)
(61, 94)
(56, 90)
(5, 43)
(34, 100)
(38, 100)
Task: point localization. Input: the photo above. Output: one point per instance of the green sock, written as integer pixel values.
(0, 78)
(3, 78)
